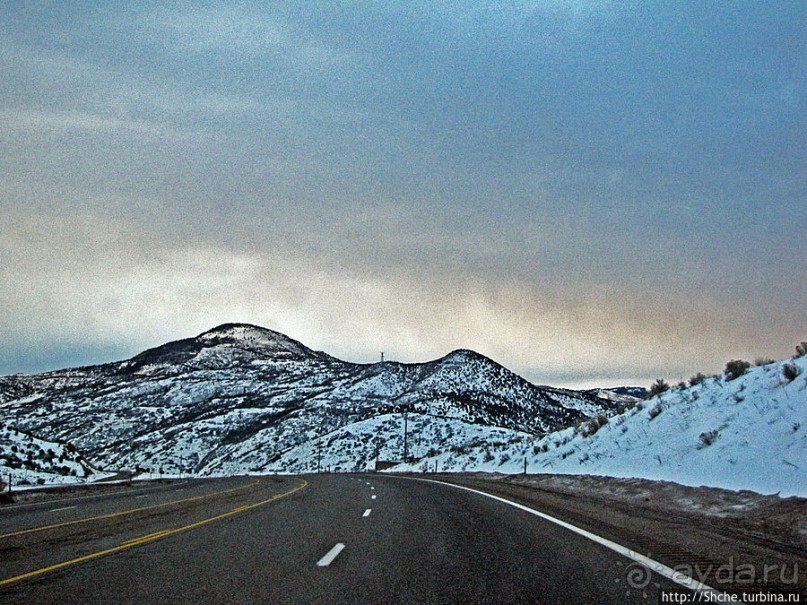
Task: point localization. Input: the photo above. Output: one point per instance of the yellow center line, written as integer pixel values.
(148, 538)
(123, 512)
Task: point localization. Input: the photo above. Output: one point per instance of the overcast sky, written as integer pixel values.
(588, 192)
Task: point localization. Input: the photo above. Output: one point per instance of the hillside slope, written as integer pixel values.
(33, 461)
(240, 398)
(748, 433)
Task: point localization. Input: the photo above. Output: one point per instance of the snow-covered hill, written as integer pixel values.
(747, 433)
(623, 395)
(240, 398)
(33, 461)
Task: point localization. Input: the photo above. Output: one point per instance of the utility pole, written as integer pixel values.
(525, 466)
(406, 437)
(131, 458)
(382, 356)
(319, 445)
(319, 457)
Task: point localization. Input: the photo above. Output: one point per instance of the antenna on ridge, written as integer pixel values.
(382, 356)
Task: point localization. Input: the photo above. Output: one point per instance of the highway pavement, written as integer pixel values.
(310, 539)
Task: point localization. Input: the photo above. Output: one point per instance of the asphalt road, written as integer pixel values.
(276, 540)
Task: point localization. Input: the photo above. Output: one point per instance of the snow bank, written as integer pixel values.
(744, 434)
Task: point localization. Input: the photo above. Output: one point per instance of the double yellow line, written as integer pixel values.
(124, 512)
(150, 537)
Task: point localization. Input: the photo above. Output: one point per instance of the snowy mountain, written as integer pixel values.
(749, 433)
(240, 398)
(33, 461)
(623, 395)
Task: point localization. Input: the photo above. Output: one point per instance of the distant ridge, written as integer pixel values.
(242, 398)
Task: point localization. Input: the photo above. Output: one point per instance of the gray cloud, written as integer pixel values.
(581, 196)
(101, 282)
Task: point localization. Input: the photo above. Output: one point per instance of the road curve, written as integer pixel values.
(314, 539)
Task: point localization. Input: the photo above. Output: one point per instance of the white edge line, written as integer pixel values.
(367, 512)
(332, 554)
(661, 569)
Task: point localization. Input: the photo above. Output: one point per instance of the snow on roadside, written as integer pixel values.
(749, 433)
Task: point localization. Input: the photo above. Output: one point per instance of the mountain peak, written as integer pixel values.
(255, 338)
(242, 332)
(223, 346)
(465, 355)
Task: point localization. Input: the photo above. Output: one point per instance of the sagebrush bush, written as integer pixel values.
(790, 371)
(593, 425)
(801, 349)
(655, 411)
(697, 379)
(659, 387)
(763, 361)
(708, 438)
(736, 368)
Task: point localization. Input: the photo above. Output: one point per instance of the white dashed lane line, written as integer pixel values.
(332, 554)
(367, 512)
(373, 496)
(56, 510)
